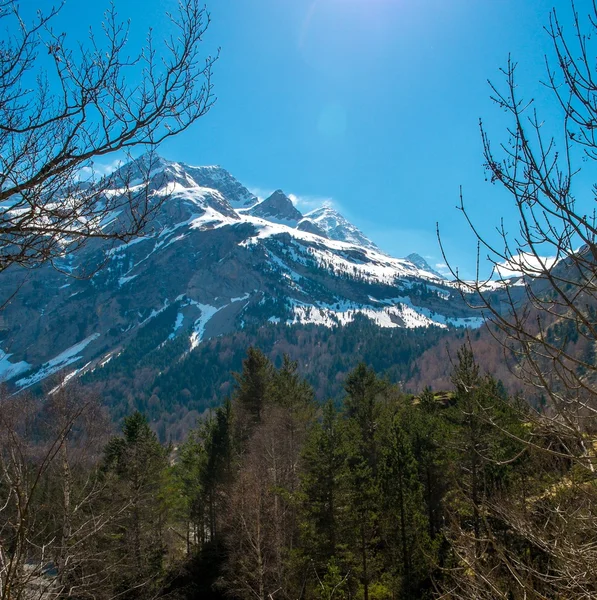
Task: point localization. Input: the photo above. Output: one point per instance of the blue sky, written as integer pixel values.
(371, 104)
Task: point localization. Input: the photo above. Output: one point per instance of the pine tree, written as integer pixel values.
(217, 470)
(254, 391)
(428, 431)
(468, 384)
(405, 527)
(136, 465)
(362, 407)
(323, 485)
(188, 471)
(273, 410)
(488, 457)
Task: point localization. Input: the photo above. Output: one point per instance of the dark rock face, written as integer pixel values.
(217, 261)
(310, 227)
(278, 208)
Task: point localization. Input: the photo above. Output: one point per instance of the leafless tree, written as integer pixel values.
(52, 512)
(548, 332)
(63, 108)
(261, 521)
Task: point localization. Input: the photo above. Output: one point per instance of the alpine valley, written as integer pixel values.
(167, 316)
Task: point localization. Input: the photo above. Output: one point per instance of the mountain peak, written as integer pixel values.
(218, 178)
(141, 169)
(278, 208)
(336, 227)
(421, 263)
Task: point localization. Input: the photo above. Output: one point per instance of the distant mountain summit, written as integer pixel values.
(336, 227)
(215, 260)
(219, 179)
(277, 208)
(419, 261)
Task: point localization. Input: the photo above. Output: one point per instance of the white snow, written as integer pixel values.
(399, 314)
(123, 247)
(525, 263)
(177, 325)
(207, 312)
(342, 257)
(123, 280)
(69, 356)
(212, 219)
(155, 313)
(8, 370)
(68, 377)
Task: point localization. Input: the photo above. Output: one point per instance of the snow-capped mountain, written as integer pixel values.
(278, 208)
(336, 227)
(421, 263)
(215, 260)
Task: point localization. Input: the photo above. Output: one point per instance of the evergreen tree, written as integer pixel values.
(323, 485)
(429, 432)
(362, 408)
(217, 469)
(188, 472)
(254, 391)
(273, 410)
(136, 467)
(405, 528)
(488, 459)
(469, 406)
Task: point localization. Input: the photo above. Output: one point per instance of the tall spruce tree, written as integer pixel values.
(469, 405)
(407, 544)
(428, 431)
(362, 408)
(136, 465)
(217, 470)
(253, 392)
(190, 465)
(323, 485)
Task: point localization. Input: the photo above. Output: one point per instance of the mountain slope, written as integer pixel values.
(218, 261)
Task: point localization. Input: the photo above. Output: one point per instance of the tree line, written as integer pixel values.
(384, 495)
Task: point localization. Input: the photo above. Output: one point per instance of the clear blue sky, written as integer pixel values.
(371, 103)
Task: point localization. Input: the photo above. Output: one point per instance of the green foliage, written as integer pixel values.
(173, 387)
(145, 349)
(405, 525)
(333, 585)
(137, 478)
(323, 485)
(272, 495)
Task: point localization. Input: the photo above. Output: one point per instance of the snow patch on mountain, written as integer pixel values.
(65, 358)
(177, 325)
(8, 369)
(211, 219)
(215, 177)
(421, 263)
(207, 313)
(387, 317)
(402, 315)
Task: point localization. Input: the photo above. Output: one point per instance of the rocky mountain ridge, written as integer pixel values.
(218, 258)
